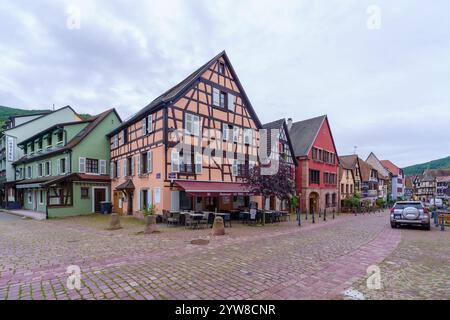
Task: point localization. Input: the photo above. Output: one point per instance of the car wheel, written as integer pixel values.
(427, 227)
(393, 225)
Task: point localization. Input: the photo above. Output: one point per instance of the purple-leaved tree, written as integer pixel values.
(280, 184)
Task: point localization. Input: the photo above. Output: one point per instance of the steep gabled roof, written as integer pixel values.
(349, 161)
(392, 168)
(93, 123)
(303, 133)
(176, 91)
(278, 124)
(365, 169)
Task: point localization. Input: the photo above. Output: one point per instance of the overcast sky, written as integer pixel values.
(385, 88)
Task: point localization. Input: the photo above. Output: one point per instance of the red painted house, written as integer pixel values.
(318, 164)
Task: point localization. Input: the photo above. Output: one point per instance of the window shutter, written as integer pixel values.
(225, 131)
(149, 198)
(82, 164)
(144, 126)
(111, 170)
(216, 97)
(125, 173)
(198, 163)
(118, 169)
(58, 167)
(231, 102)
(50, 168)
(66, 165)
(234, 168)
(188, 123)
(132, 166)
(196, 125)
(139, 200)
(149, 161)
(139, 164)
(150, 123)
(102, 166)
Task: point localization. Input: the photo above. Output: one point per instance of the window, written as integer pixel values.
(121, 137)
(32, 147)
(125, 136)
(41, 196)
(222, 68)
(198, 163)
(175, 161)
(115, 141)
(333, 199)
(29, 172)
(40, 144)
(219, 98)
(230, 102)
(128, 167)
(92, 166)
(60, 136)
(351, 189)
(192, 124)
(342, 188)
(30, 196)
(84, 193)
(346, 188)
(143, 163)
(248, 136)
(48, 168)
(49, 139)
(40, 169)
(147, 124)
(25, 149)
(62, 165)
(314, 176)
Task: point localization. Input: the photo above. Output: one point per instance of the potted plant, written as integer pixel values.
(150, 219)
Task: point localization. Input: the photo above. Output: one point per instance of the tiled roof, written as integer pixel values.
(392, 168)
(349, 162)
(303, 133)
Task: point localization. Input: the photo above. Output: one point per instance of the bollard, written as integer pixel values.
(333, 214)
(319, 213)
(325, 215)
(443, 223)
(436, 218)
(299, 215)
(306, 215)
(313, 221)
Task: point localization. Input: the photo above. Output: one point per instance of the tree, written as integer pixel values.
(279, 184)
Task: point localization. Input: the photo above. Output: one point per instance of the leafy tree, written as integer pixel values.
(280, 184)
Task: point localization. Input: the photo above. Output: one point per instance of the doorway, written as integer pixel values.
(313, 202)
(99, 196)
(118, 202)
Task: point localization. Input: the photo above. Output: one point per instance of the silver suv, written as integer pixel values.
(410, 213)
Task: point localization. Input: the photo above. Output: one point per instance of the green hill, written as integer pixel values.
(443, 163)
(6, 112)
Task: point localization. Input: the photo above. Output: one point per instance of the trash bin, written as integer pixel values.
(105, 207)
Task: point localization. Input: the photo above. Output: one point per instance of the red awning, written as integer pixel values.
(203, 188)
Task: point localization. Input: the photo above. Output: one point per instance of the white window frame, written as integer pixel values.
(225, 131)
(144, 126)
(192, 121)
(216, 97)
(236, 131)
(41, 202)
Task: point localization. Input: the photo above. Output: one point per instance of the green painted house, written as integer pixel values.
(64, 170)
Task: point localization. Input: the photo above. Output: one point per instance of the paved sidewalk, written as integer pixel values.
(25, 213)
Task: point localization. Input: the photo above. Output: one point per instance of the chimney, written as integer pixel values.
(289, 124)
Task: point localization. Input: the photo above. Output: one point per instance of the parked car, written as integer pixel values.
(410, 213)
(437, 202)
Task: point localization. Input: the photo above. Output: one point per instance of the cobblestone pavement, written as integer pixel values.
(419, 268)
(279, 261)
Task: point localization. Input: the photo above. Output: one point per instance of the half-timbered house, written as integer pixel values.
(189, 148)
(285, 152)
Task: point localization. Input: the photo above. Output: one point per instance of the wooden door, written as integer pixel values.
(99, 196)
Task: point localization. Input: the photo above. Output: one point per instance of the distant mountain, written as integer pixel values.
(6, 112)
(443, 163)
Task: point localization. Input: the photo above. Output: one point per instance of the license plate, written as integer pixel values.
(397, 216)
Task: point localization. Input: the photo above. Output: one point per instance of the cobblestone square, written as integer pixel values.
(277, 261)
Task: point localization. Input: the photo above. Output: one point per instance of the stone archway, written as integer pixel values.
(313, 202)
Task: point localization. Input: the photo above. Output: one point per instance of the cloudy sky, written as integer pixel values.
(382, 74)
